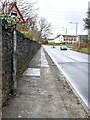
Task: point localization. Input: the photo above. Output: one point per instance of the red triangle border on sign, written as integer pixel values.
(14, 5)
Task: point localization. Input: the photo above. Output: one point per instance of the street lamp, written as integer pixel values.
(65, 30)
(76, 31)
(76, 26)
(65, 34)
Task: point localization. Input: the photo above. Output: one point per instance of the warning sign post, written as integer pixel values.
(16, 14)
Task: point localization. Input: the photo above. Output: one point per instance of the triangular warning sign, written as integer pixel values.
(15, 11)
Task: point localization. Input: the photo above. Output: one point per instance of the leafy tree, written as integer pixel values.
(87, 23)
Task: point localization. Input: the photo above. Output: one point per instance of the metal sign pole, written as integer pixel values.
(14, 59)
(14, 16)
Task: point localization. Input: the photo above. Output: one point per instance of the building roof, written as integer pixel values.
(65, 35)
(69, 35)
(50, 39)
(58, 36)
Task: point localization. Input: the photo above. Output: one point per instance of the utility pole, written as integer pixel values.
(76, 27)
(65, 34)
(76, 32)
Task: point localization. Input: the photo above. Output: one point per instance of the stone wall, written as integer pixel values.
(7, 49)
(26, 48)
(0, 56)
(0, 69)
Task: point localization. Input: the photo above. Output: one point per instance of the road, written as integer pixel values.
(74, 66)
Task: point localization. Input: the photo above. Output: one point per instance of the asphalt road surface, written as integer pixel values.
(74, 66)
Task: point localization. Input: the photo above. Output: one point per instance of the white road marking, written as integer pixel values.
(32, 72)
(44, 62)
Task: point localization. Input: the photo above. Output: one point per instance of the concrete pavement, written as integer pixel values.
(43, 92)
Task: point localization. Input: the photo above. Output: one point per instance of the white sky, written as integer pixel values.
(61, 12)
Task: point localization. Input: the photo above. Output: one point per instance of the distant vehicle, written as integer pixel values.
(63, 47)
(53, 46)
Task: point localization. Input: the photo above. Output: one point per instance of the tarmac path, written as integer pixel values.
(43, 92)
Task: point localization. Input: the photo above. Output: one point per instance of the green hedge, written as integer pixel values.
(56, 44)
(7, 22)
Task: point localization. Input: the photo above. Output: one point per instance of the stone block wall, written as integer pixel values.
(7, 49)
(0, 69)
(0, 56)
(26, 48)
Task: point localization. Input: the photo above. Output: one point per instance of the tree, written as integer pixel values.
(44, 28)
(38, 29)
(29, 12)
(87, 23)
(87, 20)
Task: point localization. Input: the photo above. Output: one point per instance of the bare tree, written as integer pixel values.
(44, 28)
(39, 29)
(28, 10)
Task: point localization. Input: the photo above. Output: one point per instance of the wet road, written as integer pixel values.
(74, 66)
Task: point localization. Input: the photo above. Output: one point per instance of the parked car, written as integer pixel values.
(63, 47)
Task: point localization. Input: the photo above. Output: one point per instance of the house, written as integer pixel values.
(82, 38)
(65, 39)
(59, 39)
(50, 40)
(70, 38)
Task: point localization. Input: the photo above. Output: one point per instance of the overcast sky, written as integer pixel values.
(61, 12)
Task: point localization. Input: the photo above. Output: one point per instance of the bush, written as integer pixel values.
(55, 44)
(7, 22)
